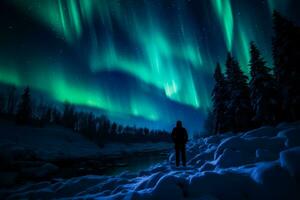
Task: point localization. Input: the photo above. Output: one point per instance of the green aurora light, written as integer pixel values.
(169, 45)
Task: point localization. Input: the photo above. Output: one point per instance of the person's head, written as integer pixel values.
(179, 123)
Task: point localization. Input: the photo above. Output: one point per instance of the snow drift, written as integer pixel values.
(259, 164)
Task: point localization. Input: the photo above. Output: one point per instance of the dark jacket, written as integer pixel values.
(179, 135)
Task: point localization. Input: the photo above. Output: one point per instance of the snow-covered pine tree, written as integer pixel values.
(219, 98)
(286, 55)
(239, 110)
(263, 90)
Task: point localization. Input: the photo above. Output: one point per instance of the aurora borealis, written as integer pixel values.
(147, 59)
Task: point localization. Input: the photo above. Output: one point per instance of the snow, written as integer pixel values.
(292, 136)
(274, 182)
(265, 131)
(290, 159)
(259, 164)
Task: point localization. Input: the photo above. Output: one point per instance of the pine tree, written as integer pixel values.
(209, 124)
(56, 116)
(263, 90)
(91, 122)
(113, 129)
(24, 110)
(120, 129)
(103, 126)
(146, 131)
(2, 103)
(219, 97)
(286, 55)
(11, 100)
(69, 116)
(239, 110)
(48, 115)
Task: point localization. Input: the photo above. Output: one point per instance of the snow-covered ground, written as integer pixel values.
(259, 164)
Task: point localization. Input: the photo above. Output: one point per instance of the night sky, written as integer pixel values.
(143, 62)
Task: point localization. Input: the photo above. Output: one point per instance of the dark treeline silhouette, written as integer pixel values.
(268, 97)
(24, 112)
(99, 129)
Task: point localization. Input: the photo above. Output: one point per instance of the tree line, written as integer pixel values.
(270, 96)
(99, 129)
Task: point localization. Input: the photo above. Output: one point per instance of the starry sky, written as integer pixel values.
(142, 62)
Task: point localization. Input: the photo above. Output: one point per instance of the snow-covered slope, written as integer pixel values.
(260, 164)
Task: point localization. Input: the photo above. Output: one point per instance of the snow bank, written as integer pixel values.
(290, 160)
(259, 164)
(291, 135)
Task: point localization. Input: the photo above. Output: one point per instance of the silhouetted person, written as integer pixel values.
(180, 137)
